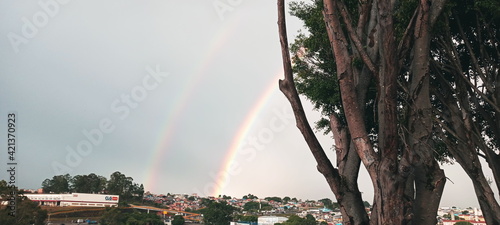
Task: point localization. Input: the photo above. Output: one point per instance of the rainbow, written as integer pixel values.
(179, 105)
(242, 132)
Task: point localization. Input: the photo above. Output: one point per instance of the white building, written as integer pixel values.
(452, 222)
(75, 199)
(270, 220)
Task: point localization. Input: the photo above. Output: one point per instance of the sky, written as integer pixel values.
(182, 96)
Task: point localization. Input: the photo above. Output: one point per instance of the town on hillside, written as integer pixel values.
(249, 209)
(270, 210)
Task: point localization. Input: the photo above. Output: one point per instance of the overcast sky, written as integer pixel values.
(161, 91)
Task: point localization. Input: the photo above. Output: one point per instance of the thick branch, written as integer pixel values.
(352, 111)
(287, 86)
(355, 39)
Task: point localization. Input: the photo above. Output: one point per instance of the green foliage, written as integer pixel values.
(276, 199)
(246, 218)
(296, 220)
(226, 197)
(91, 183)
(5, 189)
(206, 202)
(27, 211)
(367, 204)
(119, 184)
(119, 216)
(477, 24)
(463, 223)
(256, 206)
(250, 196)
(58, 184)
(327, 203)
(178, 220)
(314, 69)
(218, 213)
(402, 15)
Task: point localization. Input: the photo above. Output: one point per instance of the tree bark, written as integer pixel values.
(387, 164)
(464, 150)
(429, 178)
(462, 101)
(388, 185)
(343, 184)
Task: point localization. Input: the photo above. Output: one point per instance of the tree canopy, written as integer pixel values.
(249, 196)
(27, 211)
(401, 86)
(218, 213)
(178, 220)
(118, 184)
(296, 220)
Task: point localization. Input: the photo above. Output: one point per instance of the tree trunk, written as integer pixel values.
(464, 151)
(348, 163)
(389, 167)
(429, 178)
(388, 185)
(343, 184)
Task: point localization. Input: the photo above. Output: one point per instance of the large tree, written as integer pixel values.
(218, 213)
(119, 184)
(91, 183)
(465, 66)
(372, 52)
(58, 184)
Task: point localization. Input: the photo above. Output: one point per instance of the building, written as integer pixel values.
(75, 199)
(271, 220)
(452, 222)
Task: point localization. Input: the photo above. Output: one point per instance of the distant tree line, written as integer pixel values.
(118, 184)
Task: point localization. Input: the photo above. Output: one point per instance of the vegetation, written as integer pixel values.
(398, 97)
(26, 212)
(276, 199)
(178, 220)
(119, 216)
(58, 184)
(463, 223)
(256, 206)
(250, 196)
(296, 220)
(118, 184)
(246, 218)
(217, 213)
(328, 203)
(465, 66)
(91, 183)
(226, 197)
